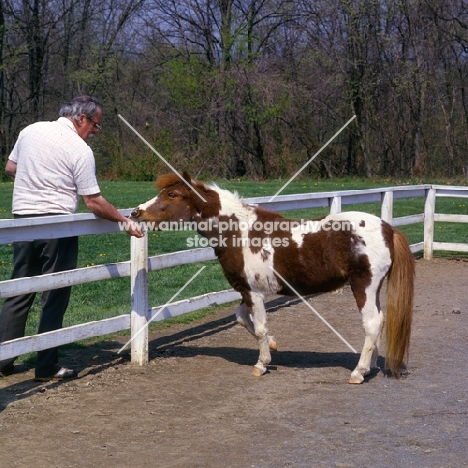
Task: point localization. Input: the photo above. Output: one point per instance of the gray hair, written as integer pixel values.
(86, 105)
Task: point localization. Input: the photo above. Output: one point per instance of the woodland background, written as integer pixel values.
(228, 88)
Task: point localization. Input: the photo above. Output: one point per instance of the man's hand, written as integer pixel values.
(134, 229)
(101, 207)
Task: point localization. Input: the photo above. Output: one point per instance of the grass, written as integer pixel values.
(99, 300)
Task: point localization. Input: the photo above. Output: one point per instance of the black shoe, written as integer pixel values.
(7, 370)
(63, 374)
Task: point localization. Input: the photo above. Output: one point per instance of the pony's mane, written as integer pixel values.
(234, 196)
(231, 202)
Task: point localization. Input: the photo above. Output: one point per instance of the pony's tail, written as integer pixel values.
(400, 291)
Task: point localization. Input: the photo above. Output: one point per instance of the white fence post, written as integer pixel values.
(429, 210)
(139, 299)
(386, 212)
(334, 205)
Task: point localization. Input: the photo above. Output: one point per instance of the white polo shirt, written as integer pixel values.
(54, 166)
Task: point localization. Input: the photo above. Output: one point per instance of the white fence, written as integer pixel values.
(13, 230)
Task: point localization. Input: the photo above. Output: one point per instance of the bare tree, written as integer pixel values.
(233, 87)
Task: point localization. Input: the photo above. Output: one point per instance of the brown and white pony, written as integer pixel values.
(263, 253)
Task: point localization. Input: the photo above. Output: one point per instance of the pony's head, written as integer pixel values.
(179, 199)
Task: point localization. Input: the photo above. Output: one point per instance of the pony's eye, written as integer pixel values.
(171, 195)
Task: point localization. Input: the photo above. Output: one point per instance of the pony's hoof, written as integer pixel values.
(258, 371)
(356, 380)
(273, 345)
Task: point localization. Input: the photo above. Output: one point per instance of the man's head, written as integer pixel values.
(86, 113)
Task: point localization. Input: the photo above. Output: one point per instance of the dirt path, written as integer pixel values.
(197, 405)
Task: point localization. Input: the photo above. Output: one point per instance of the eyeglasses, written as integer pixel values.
(96, 125)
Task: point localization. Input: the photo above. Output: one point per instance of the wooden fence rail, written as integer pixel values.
(139, 266)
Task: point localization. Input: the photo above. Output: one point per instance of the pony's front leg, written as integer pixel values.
(258, 315)
(244, 318)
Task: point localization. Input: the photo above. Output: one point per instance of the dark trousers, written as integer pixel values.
(31, 259)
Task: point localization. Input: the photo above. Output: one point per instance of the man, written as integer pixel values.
(52, 166)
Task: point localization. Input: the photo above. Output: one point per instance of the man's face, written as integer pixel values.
(87, 126)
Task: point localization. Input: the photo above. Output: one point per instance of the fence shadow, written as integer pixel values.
(86, 359)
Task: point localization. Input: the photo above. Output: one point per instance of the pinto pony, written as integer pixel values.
(261, 253)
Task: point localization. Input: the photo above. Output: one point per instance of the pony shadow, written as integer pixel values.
(176, 345)
(289, 359)
(286, 359)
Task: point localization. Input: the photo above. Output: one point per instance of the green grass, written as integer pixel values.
(99, 300)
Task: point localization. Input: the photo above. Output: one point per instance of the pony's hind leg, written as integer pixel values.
(254, 319)
(372, 319)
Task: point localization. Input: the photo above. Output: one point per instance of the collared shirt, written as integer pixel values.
(54, 166)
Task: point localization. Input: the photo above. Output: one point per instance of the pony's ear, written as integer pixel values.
(187, 177)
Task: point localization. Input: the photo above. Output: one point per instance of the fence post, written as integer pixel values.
(139, 300)
(386, 212)
(429, 210)
(334, 205)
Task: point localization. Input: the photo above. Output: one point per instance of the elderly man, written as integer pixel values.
(52, 165)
